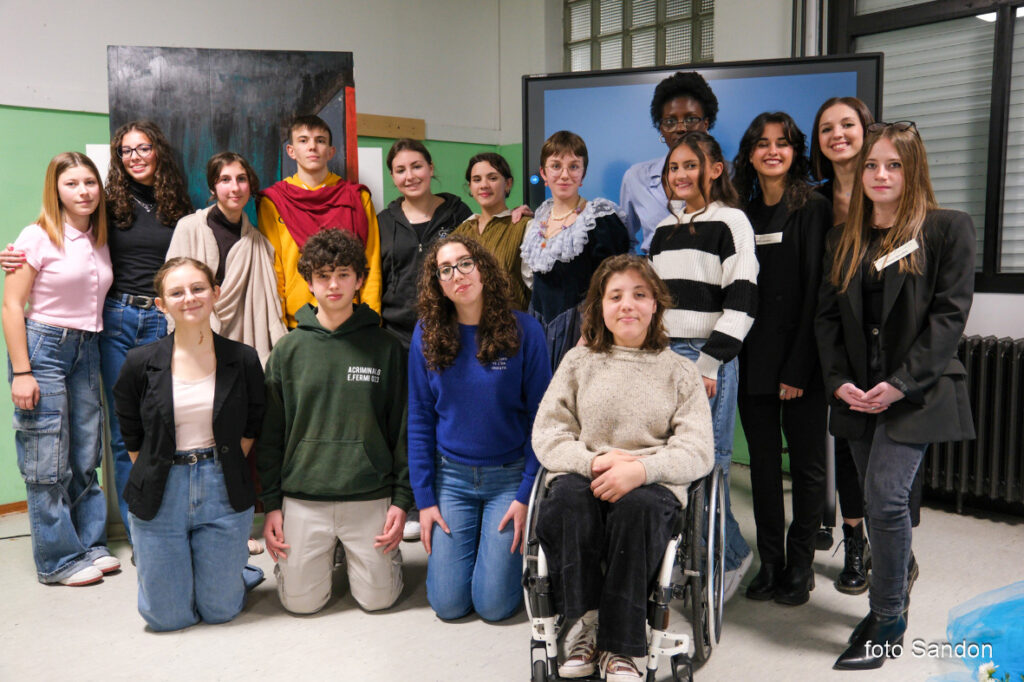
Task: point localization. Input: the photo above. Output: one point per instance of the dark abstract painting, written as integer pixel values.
(207, 101)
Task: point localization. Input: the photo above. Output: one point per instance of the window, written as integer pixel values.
(615, 34)
(957, 69)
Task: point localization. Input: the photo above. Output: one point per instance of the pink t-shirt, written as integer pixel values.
(71, 284)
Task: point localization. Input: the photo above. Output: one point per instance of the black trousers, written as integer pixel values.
(580, 534)
(765, 418)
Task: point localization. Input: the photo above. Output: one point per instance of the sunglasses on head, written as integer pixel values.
(900, 126)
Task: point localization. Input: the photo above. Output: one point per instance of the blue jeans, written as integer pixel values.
(191, 556)
(723, 422)
(124, 328)
(474, 567)
(887, 470)
(59, 446)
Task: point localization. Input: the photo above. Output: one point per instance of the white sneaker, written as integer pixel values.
(86, 576)
(618, 668)
(107, 564)
(412, 531)
(732, 578)
(582, 658)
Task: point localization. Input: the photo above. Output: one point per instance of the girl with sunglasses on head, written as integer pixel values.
(780, 388)
(566, 241)
(53, 363)
(705, 254)
(490, 183)
(146, 195)
(897, 288)
(477, 371)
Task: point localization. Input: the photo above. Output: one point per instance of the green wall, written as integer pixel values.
(29, 138)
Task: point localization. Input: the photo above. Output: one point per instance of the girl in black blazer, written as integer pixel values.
(190, 407)
(897, 289)
(781, 389)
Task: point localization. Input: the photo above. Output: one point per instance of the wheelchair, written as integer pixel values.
(692, 570)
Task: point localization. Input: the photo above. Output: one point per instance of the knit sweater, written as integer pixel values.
(712, 276)
(477, 415)
(651, 404)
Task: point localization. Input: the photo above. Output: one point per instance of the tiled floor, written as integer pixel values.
(94, 633)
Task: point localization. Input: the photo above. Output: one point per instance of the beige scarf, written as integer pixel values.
(249, 308)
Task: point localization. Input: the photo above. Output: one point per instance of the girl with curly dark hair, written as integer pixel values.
(781, 389)
(477, 372)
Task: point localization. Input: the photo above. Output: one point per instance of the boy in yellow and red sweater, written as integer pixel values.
(294, 209)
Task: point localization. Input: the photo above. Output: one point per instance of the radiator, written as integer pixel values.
(989, 470)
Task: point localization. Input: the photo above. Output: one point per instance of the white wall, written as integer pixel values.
(745, 29)
(457, 63)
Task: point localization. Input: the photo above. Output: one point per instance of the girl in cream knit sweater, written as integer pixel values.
(623, 428)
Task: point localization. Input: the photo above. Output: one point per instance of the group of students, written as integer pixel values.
(437, 358)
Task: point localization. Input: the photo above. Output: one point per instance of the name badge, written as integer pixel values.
(897, 255)
(770, 238)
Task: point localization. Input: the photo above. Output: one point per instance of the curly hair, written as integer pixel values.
(596, 334)
(332, 248)
(820, 165)
(172, 202)
(745, 178)
(497, 335)
(685, 84)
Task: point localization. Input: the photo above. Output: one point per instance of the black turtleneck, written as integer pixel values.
(227, 235)
(139, 250)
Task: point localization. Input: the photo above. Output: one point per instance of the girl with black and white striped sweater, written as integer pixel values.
(705, 254)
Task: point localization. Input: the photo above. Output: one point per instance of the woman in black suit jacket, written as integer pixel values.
(781, 389)
(190, 407)
(894, 301)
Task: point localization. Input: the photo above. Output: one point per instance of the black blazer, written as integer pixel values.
(923, 318)
(780, 346)
(143, 400)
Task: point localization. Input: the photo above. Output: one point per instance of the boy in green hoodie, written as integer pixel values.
(332, 455)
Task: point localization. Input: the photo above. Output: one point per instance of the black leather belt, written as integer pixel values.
(136, 301)
(193, 457)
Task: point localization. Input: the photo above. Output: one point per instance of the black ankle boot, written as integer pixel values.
(854, 577)
(794, 586)
(762, 587)
(880, 638)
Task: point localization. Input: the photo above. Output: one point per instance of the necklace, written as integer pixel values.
(148, 207)
(543, 227)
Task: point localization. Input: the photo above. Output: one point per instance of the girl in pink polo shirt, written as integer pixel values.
(53, 364)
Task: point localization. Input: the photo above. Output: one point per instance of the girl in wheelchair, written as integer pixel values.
(623, 429)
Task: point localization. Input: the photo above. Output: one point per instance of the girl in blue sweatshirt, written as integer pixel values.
(477, 372)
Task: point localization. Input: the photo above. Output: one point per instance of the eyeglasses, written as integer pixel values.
(672, 123)
(900, 126)
(143, 150)
(465, 266)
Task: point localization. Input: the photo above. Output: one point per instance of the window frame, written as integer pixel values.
(845, 26)
(661, 23)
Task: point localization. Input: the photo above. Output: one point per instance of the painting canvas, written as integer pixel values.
(208, 101)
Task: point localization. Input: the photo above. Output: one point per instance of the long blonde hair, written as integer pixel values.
(917, 199)
(50, 218)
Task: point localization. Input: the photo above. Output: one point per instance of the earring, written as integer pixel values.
(663, 139)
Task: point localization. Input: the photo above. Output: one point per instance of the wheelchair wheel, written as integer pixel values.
(540, 671)
(707, 590)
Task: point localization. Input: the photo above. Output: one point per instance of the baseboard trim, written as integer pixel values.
(13, 507)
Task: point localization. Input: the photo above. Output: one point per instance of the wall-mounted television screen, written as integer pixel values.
(610, 110)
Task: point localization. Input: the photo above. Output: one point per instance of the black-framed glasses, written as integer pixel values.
(465, 266)
(901, 126)
(670, 123)
(143, 150)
